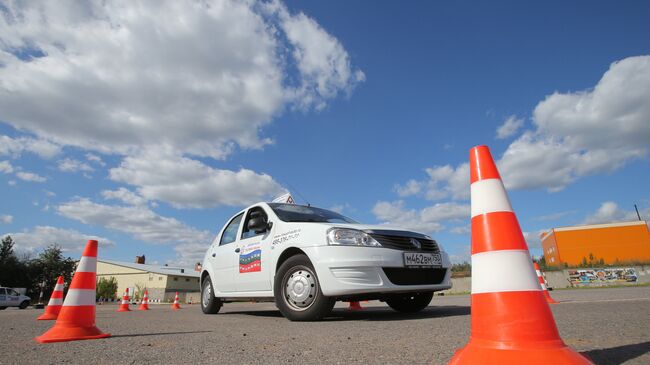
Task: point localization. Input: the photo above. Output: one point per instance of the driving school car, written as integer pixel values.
(307, 258)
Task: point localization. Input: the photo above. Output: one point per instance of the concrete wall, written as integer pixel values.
(182, 283)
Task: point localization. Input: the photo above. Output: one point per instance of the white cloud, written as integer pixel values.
(412, 187)
(16, 146)
(11, 182)
(578, 134)
(124, 195)
(427, 220)
(460, 230)
(197, 77)
(553, 216)
(6, 167)
(42, 236)
(95, 159)
(6, 219)
(188, 183)
(533, 239)
(610, 212)
(509, 127)
(72, 165)
(30, 176)
(138, 221)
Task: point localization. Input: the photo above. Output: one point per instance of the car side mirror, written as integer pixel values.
(258, 225)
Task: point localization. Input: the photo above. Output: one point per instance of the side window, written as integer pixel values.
(253, 213)
(230, 233)
(2, 291)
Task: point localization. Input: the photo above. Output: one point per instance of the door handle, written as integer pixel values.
(214, 254)
(237, 249)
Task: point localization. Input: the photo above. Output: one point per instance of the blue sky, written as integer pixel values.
(148, 128)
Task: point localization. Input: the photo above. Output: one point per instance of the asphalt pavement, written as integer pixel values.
(611, 326)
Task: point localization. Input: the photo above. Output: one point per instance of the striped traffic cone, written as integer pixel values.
(144, 306)
(355, 306)
(176, 305)
(511, 323)
(76, 320)
(124, 306)
(542, 283)
(56, 301)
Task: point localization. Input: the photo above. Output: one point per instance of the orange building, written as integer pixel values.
(614, 242)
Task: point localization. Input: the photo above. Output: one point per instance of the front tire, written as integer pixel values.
(24, 304)
(298, 295)
(409, 302)
(209, 303)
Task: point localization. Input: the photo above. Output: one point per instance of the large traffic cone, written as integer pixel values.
(355, 306)
(76, 320)
(176, 305)
(511, 321)
(56, 301)
(144, 306)
(124, 306)
(542, 283)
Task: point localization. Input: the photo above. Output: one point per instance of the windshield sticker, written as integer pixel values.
(250, 259)
(286, 236)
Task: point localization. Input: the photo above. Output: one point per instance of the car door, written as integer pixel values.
(13, 298)
(253, 272)
(225, 256)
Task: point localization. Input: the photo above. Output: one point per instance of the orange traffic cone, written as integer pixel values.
(542, 283)
(511, 322)
(355, 306)
(76, 320)
(176, 305)
(56, 301)
(144, 306)
(124, 306)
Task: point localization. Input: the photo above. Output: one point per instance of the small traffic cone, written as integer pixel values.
(511, 323)
(355, 306)
(76, 320)
(144, 306)
(176, 305)
(124, 306)
(56, 301)
(542, 283)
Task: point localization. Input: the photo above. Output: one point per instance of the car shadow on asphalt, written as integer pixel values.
(159, 334)
(374, 314)
(619, 354)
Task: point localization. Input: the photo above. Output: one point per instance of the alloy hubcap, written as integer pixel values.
(207, 293)
(300, 289)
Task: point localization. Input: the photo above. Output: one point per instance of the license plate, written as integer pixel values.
(422, 259)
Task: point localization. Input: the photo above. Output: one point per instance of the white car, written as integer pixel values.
(307, 258)
(11, 298)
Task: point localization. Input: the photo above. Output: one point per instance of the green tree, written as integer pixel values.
(47, 267)
(12, 271)
(106, 288)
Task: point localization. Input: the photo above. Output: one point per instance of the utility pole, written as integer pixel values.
(637, 212)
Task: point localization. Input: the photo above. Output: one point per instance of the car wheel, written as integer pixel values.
(409, 302)
(209, 303)
(298, 295)
(3, 308)
(24, 304)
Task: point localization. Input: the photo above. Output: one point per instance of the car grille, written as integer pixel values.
(404, 243)
(408, 276)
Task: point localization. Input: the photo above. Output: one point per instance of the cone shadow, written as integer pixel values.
(158, 334)
(619, 354)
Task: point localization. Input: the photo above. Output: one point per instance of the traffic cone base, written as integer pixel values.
(475, 353)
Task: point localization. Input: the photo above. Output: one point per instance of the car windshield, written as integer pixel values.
(301, 213)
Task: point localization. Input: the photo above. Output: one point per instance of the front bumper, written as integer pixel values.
(344, 270)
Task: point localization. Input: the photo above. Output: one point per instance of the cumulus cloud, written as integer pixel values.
(509, 127)
(6, 218)
(124, 195)
(16, 146)
(6, 167)
(577, 134)
(427, 220)
(188, 183)
(145, 77)
(40, 237)
(138, 221)
(610, 212)
(72, 165)
(95, 159)
(30, 176)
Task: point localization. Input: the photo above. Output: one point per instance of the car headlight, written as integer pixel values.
(350, 237)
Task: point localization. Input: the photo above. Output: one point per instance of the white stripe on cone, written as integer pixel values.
(489, 196)
(58, 287)
(55, 301)
(78, 297)
(491, 275)
(87, 264)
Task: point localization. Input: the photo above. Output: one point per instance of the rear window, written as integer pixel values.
(301, 213)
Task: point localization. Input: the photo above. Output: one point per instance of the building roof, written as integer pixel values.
(157, 269)
(593, 226)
